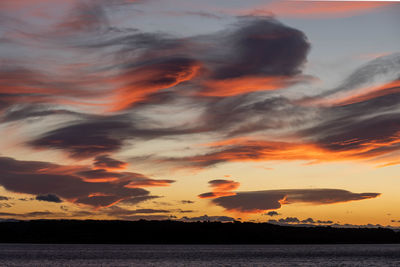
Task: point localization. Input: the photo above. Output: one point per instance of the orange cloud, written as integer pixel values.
(77, 184)
(247, 84)
(216, 194)
(240, 150)
(317, 9)
(221, 188)
(362, 95)
(141, 82)
(148, 183)
(107, 163)
(223, 185)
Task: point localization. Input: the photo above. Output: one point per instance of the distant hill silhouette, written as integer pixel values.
(176, 232)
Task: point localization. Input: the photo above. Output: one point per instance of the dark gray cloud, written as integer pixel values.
(324, 222)
(85, 139)
(49, 198)
(33, 214)
(185, 211)
(136, 200)
(299, 222)
(206, 218)
(6, 205)
(258, 201)
(95, 137)
(272, 213)
(106, 162)
(43, 178)
(263, 47)
(36, 112)
(230, 116)
(355, 127)
(187, 201)
(289, 220)
(251, 201)
(308, 220)
(149, 217)
(355, 115)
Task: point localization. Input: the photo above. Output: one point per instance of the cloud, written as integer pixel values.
(108, 163)
(131, 179)
(253, 150)
(264, 47)
(187, 201)
(260, 201)
(299, 222)
(308, 220)
(206, 218)
(261, 54)
(67, 182)
(257, 201)
(272, 213)
(36, 112)
(348, 123)
(6, 205)
(254, 54)
(97, 138)
(151, 77)
(373, 77)
(186, 211)
(33, 214)
(121, 213)
(101, 135)
(325, 222)
(148, 217)
(138, 199)
(289, 220)
(317, 9)
(203, 14)
(243, 85)
(220, 188)
(223, 185)
(215, 194)
(49, 198)
(146, 182)
(85, 17)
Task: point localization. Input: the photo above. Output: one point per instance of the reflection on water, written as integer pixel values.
(199, 255)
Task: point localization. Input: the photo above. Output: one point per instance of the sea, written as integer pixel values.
(55, 255)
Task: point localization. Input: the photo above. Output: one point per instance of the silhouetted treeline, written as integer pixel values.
(176, 232)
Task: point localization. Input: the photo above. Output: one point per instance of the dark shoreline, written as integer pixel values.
(176, 232)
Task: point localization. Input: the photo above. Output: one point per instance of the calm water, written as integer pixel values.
(199, 255)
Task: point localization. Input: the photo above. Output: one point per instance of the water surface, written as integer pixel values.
(198, 255)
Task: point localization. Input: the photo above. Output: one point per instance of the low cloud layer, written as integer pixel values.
(260, 201)
(51, 182)
(49, 198)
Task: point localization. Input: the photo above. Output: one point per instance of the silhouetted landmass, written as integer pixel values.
(176, 232)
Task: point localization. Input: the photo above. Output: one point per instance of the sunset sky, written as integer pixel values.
(219, 110)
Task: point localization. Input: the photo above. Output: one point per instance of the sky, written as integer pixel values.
(265, 111)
